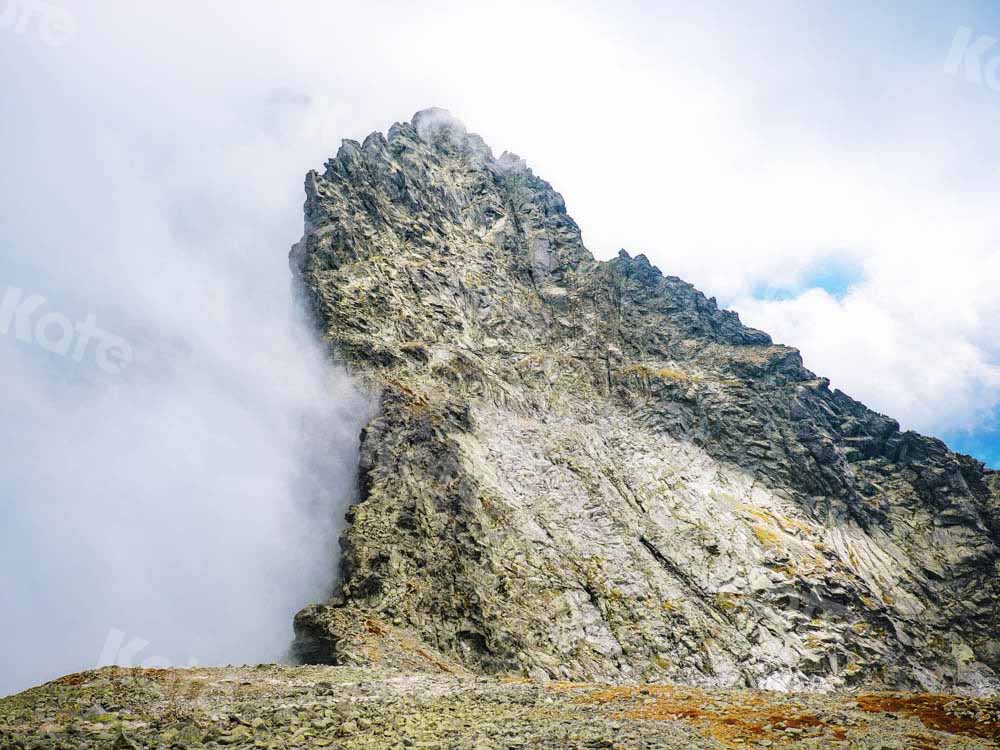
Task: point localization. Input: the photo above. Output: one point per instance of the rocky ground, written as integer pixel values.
(273, 706)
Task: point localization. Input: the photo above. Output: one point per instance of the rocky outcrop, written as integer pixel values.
(585, 469)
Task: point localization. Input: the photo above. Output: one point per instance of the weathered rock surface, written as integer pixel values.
(586, 470)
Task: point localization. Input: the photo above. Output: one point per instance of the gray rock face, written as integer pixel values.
(586, 470)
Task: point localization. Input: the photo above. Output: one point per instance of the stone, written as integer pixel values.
(124, 742)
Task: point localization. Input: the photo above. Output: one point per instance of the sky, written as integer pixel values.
(174, 483)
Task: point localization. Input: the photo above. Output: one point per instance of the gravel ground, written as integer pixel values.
(337, 707)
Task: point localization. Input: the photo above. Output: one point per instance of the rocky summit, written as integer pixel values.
(585, 470)
(593, 511)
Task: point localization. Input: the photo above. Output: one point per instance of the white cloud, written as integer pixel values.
(918, 337)
(933, 377)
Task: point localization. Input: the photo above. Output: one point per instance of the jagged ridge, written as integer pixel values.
(586, 469)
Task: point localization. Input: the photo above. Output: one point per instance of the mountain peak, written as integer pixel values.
(586, 469)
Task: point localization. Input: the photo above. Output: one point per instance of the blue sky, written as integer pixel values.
(983, 444)
(814, 166)
(833, 275)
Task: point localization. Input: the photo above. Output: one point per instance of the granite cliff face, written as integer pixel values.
(586, 470)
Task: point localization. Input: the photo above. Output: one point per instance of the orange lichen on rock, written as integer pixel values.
(73, 680)
(943, 713)
(733, 722)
